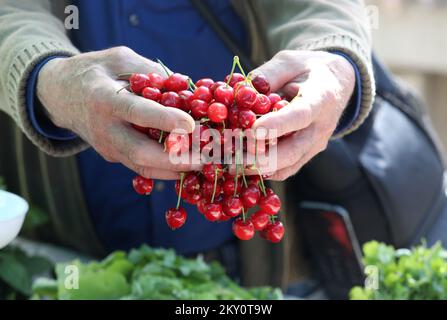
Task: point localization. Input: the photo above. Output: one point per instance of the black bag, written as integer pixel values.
(388, 175)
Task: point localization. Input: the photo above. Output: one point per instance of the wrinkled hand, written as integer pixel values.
(80, 94)
(326, 83)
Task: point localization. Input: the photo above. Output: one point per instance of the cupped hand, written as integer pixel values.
(80, 94)
(325, 83)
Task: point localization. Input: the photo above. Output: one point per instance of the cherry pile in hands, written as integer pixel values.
(234, 103)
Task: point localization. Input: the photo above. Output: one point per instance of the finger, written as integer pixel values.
(288, 151)
(132, 146)
(152, 173)
(122, 59)
(286, 173)
(282, 68)
(144, 112)
(302, 111)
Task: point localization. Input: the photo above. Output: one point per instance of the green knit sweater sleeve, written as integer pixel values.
(28, 34)
(323, 25)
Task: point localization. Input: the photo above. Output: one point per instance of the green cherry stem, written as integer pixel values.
(238, 63)
(192, 86)
(215, 184)
(161, 136)
(164, 67)
(243, 214)
(232, 70)
(241, 144)
(182, 177)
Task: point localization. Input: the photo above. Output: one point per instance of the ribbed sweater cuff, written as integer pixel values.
(20, 69)
(362, 59)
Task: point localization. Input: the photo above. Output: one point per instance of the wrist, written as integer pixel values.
(45, 87)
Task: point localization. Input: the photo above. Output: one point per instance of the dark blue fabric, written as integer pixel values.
(174, 32)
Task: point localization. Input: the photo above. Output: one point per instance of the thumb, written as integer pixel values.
(284, 67)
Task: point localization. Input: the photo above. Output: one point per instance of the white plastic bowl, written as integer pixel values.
(13, 210)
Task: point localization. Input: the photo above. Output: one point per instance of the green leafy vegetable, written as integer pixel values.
(417, 274)
(17, 271)
(148, 273)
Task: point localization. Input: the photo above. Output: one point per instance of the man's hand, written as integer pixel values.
(326, 82)
(80, 94)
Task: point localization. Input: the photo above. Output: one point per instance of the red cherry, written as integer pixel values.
(138, 82)
(274, 98)
(263, 105)
(175, 218)
(151, 93)
(213, 211)
(176, 143)
(250, 195)
(177, 190)
(243, 230)
(209, 171)
(237, 77)
(217, 112)
(155, 81)
(143, 185)
(228, 187)
(270, 203)
(232, 206)
(246, 97)
(140, 128)
(224, 217)
(199, 109)
(217, 85)
(154, 134)
(279, 105)
(206, 82)
(208, 188)
(191, 183)
(260, 220)
(176, 82)
(203, 93)
(274, 232)
(261, 84)
(187, 97)
(201, 204)
(193, 198)
(256, 180)
(171, 99)
(246, 118)
(224, 94)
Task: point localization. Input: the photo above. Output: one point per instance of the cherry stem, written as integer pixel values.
(182, 177)
(243, 214)
(124, 76)
(235, 183)
(241, 143)
(125, 87)
(164, 67)
(192, 86)
(236, 60)
(232, 70)
(161, 136)
(215, 184)
(261, 181)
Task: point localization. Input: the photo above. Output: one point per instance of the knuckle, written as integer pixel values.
(143, 171)
(284, 55)
(120, 53)
(330, 97)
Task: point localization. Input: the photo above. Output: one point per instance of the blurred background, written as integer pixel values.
(410, 36)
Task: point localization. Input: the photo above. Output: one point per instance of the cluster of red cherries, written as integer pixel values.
(234, 103)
